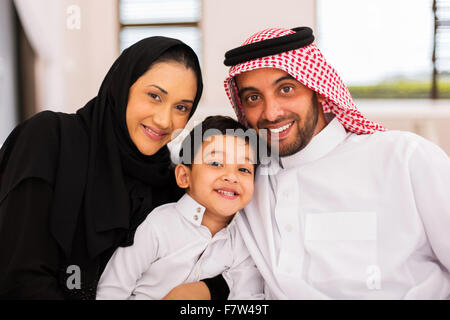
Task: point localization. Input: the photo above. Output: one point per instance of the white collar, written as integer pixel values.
(193, 211)
(190, 209)
(321, 144)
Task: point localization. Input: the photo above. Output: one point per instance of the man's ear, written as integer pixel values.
(183, 176)
(320, 97)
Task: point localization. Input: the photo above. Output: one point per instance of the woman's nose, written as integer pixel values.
(163, 117)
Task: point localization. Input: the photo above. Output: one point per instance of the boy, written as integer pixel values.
(194, 238)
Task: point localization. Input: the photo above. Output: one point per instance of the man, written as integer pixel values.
(350, 211)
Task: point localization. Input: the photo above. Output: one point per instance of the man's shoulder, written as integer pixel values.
(398, 144)
(388, 137)
(389, 140)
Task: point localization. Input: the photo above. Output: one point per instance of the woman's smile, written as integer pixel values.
(154, 133)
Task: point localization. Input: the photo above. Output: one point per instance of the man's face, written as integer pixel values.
(273, 100)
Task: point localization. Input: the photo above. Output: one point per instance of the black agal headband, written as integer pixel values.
(302, 37)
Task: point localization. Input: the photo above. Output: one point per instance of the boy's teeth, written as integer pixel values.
(278, 130)
(226, 193)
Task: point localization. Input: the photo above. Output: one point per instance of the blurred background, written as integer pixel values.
(393, 54)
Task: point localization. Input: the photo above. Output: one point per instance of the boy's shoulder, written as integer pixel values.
(162, 214)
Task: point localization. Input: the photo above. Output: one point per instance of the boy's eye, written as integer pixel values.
(214, 163)
(245, 170)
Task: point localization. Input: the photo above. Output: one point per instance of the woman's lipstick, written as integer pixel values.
(153, 133)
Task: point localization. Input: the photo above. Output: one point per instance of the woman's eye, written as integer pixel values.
(182, 108)
(286, 89)
(245, 170)
(154, 96)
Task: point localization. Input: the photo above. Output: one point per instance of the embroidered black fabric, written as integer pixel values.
(302, 37)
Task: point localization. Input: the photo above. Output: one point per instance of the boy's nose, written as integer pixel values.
(230, 177)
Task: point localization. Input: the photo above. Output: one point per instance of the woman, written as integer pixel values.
(74, 187)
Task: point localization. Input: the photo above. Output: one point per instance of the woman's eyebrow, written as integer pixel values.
(160, 89)
(165, 92)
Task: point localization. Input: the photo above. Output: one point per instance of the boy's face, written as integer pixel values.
(222, 176)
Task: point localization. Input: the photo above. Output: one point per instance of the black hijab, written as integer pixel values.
(90, 160)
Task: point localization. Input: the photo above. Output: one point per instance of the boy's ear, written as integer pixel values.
(182, 175)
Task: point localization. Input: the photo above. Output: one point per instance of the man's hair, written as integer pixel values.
(216, 125)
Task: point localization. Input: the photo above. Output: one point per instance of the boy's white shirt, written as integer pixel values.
(172, 247)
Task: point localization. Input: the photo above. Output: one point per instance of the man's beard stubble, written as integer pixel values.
(304, 133)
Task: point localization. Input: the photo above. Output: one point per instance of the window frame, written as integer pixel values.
(195, 24)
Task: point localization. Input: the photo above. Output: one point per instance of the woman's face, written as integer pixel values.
(159, 103)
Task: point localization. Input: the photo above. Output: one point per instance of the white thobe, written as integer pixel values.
(172, 247)
(353, 217)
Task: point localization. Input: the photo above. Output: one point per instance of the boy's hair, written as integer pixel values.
(216, 125)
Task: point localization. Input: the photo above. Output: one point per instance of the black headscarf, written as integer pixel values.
(91, 161)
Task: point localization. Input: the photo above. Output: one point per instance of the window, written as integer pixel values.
(171, 18)
(384, 48)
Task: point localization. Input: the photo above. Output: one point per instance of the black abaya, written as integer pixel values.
(73, 187)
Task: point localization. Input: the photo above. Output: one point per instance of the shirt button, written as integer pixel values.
(195, 217)
(199, 209)
(288, 228)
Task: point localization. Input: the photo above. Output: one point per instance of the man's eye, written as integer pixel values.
(252, 98)
(286, 89)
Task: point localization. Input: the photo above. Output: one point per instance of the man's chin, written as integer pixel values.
(287, 148)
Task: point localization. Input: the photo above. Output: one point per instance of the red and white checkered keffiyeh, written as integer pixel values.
(309, 67)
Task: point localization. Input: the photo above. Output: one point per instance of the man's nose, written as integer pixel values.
(272, 109)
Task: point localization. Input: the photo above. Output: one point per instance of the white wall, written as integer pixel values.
(8, 114)
(69, 74)
(89, 51)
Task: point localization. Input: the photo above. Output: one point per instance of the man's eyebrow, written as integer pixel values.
(286, 77)
(160, 89)
(241, 91)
